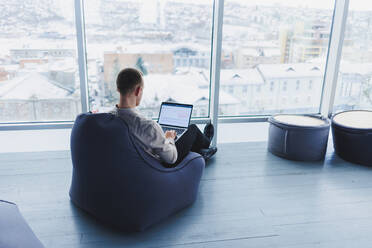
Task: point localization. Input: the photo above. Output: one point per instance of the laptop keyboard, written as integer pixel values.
(179, 131)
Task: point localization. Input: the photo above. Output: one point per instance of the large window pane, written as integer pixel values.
(354, 86)
(273, 56)
(168, 40)
(38, 63)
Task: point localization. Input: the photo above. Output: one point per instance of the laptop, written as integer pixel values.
(175, 116)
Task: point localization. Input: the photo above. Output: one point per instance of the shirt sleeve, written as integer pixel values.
(165, 148)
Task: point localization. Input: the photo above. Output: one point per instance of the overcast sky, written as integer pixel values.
(327, 4)
(365, 5)
(324, 4)
(92, 6)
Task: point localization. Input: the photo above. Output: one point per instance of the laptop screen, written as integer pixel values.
(175, 114)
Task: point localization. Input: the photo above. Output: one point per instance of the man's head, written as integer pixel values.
(130, 84)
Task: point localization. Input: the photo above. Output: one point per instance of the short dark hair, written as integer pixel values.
(128, 79)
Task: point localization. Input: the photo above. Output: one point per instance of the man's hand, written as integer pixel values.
(170, 134)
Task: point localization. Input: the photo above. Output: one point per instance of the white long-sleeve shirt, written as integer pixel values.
(149, 135)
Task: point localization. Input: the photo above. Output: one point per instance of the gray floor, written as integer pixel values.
(248, 198)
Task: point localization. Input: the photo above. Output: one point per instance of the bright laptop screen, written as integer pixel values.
(175, 115)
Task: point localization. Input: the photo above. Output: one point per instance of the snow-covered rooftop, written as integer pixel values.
(243, 76)
(67, 65)
(30, 43)
(140, 48)
(267, 52)
(148, 47)
(356, 68)
(192, 46)
(32, 86)
(271, 52)
(298, 70)
(261, 44)
(12, 67)
(249, 51)
(180, 88)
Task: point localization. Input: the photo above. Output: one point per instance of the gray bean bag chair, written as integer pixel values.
(352, 136)
(298, 137)
(120, 184)
(14, 231)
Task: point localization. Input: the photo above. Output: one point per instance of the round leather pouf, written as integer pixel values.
(352, 136)
(298, 137)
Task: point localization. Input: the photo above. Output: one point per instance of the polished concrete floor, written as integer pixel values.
(248, 198)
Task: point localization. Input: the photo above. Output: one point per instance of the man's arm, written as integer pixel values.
(163, 144)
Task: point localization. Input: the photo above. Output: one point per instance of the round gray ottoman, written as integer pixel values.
(298, 137)
(352, 136)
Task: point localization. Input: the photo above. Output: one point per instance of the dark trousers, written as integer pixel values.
(192, 140)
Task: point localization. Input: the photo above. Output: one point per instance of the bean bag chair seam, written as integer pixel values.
(8, 202)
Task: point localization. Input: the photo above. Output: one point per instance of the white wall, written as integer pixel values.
(59, 139)
(35, 140)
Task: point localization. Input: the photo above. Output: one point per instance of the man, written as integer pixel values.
(148, 133)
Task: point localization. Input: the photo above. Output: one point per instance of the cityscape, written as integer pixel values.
(273, 57)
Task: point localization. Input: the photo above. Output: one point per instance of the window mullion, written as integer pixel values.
(334, 57)
(216, 63)
(82, 59)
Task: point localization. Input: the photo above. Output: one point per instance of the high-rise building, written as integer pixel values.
(304, 42)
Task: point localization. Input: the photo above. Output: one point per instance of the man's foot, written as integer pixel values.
(209, 131)
(207, 153)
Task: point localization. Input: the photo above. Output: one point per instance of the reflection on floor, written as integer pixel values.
(248, 198)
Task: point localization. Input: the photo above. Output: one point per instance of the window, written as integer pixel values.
(271, 86)
(150, 36)
(285, 86)
(231, 89)
(38, 63)
(196, 62)
(178, 62)
(354, 84)
(278, 41)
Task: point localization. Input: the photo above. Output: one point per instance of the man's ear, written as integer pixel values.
(137, 90)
